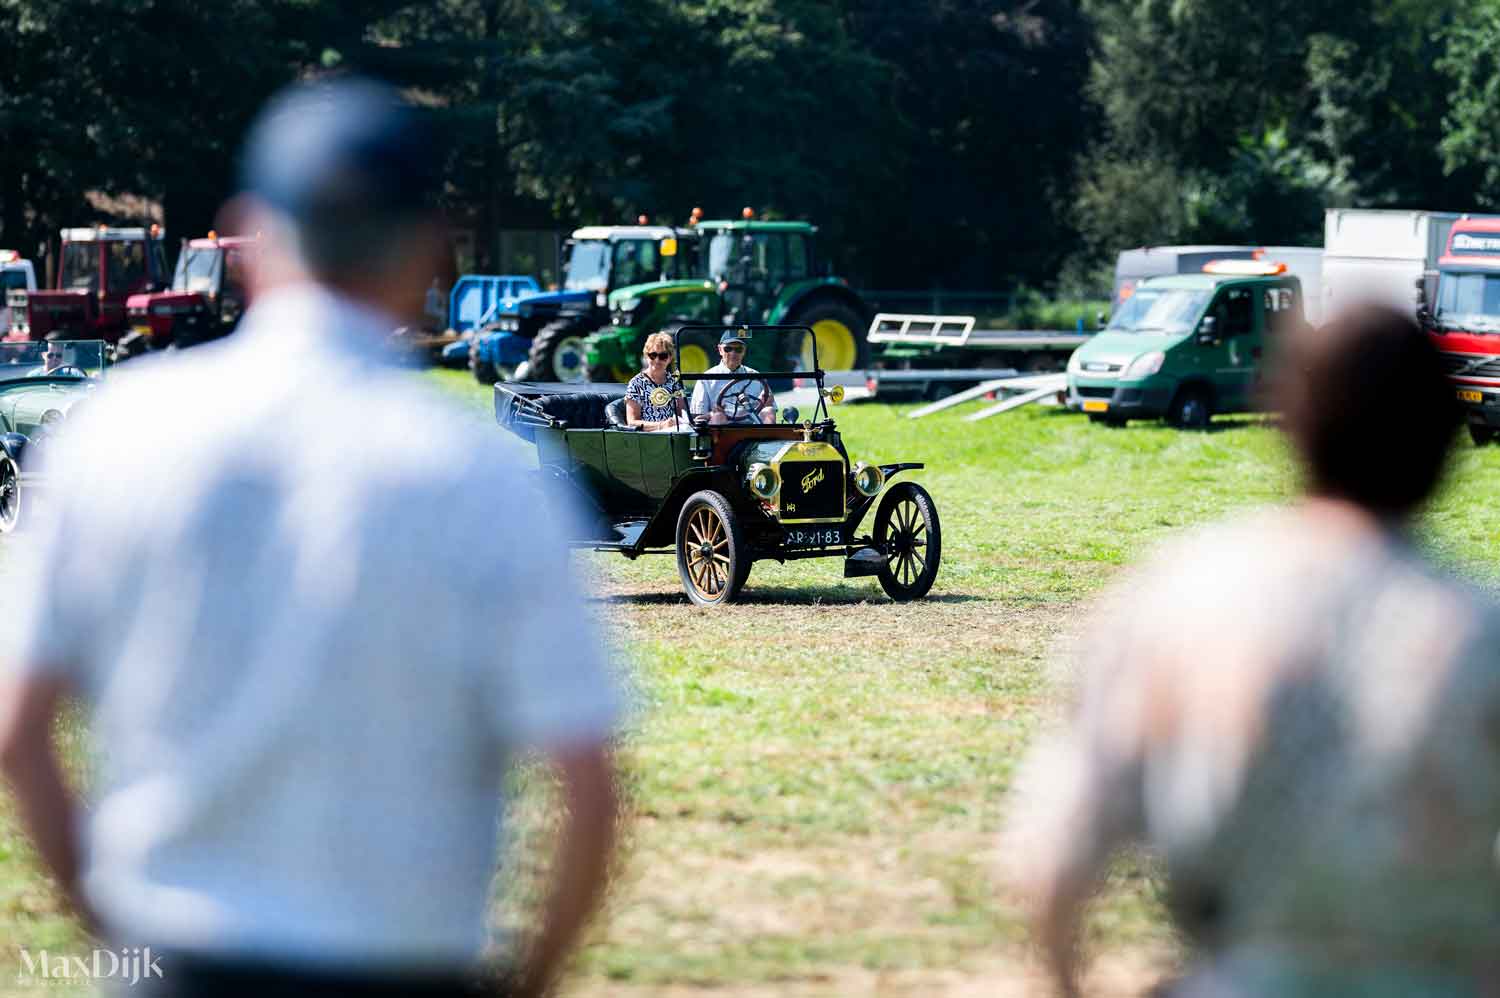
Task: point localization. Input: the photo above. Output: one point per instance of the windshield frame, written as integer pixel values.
(21, 361)
(190, 271)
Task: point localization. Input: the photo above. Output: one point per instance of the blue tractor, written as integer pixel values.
(598, 259)
(485, 310)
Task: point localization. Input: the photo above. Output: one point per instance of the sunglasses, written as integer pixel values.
(659, 356)
(732, 348)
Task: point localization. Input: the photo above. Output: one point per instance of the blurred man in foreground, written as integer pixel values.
(314, 615)
(1296, 714)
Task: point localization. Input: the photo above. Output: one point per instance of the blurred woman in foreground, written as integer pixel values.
(1297, 714)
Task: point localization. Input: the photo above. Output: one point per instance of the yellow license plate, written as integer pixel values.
(1093, 405)
(1471, 396)
(143, 330)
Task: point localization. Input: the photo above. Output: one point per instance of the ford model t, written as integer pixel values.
(732, 485)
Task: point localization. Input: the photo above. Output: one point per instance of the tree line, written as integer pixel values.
(937, 143)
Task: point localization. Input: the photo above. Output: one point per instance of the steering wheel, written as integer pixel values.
(71, 369)
(740, 406)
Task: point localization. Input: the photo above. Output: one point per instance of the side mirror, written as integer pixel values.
(1424, 315)
(1421, 291)
(790, 414)
(1101, 319)
(1207, 331)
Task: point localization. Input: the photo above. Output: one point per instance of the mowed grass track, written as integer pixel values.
(817, 775)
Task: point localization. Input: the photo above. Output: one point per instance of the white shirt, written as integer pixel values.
(315, 612)
(706, 393)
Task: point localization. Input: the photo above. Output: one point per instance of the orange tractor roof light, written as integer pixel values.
(747, 213)
(1244, 268)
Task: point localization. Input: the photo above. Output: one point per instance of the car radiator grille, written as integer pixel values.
(1471, 365)
(812, 490)
(1091, 392)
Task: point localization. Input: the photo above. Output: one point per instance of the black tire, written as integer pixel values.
(711, 556)
(484, 372)
(10, 495)
(830, 310)
(744, 574)
(907, 528)
(1191, 409)
(1481, 435)
(557, 352)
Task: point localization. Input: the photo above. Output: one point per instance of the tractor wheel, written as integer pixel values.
(840, 333)
(558, 354)
(484, 371)
(710, 549)
(10, 495)
(907, 529)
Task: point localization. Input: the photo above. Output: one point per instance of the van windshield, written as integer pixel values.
(1160, 310)
(1469, 300)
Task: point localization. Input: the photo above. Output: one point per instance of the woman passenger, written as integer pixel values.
(654, 399)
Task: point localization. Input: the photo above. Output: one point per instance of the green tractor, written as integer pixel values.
(749, 272)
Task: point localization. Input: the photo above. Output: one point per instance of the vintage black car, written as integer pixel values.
(724, 495)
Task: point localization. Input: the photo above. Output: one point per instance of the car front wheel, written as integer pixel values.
(907, 530)
(10, 495)
(711, 555)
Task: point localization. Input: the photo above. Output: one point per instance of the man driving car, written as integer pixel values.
(52, 361)
(727, 400)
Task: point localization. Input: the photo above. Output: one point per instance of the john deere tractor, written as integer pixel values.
(598, 259)
(747, 272)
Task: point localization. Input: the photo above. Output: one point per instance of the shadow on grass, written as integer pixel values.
(774, 596)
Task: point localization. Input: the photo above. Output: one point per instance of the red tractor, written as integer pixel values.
(207, 297)
(98, 269)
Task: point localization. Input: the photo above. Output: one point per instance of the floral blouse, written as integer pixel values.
(657, 402)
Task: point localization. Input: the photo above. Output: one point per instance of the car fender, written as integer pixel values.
(863, 503)
(662, 530)
(14, 447)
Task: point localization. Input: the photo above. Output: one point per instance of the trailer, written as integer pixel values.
(935, 355)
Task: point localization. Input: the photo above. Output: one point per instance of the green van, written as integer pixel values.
(1186, 346)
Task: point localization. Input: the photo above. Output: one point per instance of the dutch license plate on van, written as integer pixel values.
(1094, 405)
(1468, 396)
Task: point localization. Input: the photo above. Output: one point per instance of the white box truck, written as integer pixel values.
(1378, 255)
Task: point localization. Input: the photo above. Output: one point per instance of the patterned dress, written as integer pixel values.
(657, 402)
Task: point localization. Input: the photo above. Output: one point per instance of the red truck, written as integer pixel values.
(98, 269)
(207, 297)
(1464, 320)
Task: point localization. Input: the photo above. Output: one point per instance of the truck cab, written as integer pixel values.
(99, 268)
(1184, 347)
(1464, 320)
(209, 293)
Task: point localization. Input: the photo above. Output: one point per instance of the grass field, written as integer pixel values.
(816, 775)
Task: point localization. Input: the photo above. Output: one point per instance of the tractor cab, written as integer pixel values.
(209, 293)
(99, 268)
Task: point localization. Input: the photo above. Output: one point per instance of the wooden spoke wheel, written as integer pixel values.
(907, 529)
(10, 495)
(711, 555)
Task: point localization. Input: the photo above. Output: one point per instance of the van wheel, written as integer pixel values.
(1190, 410)
(1481, 435)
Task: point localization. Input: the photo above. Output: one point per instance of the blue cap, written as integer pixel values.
(731, 336)
(332, 149)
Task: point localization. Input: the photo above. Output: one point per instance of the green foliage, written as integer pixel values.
(1472, 62)
(1031, 309)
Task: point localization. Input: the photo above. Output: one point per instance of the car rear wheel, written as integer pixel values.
(907, 530)
(10, 495)
(711, 555)
(1481, 435)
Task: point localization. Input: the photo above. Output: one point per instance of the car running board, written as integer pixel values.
(865, 562)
